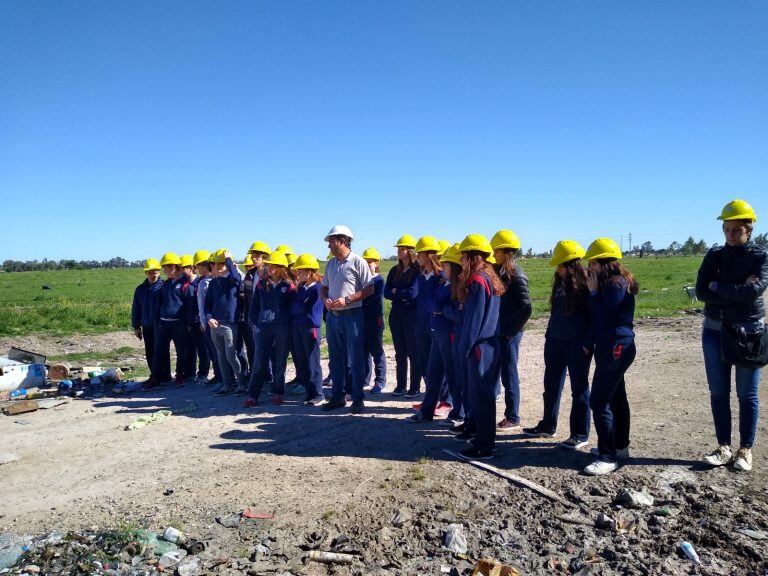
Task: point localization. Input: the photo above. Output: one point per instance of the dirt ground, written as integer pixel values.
(326, 475)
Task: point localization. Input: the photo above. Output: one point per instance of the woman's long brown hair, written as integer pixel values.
(506, 266)
(611, 270)
(281, 276)
(413, 269)
(455, 278)
(478, 264)
(574, 285)
(434, 262)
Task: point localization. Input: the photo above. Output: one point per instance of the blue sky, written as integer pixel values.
(135, 128)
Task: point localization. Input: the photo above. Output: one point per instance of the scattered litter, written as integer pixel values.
(754, 534)
(174, 535)
(248, 513)
(490, 567)
(171, 558)
(626, 521)
(690, 552)
(142, 421)
(151, 540)
(663, 511)
(126, 387)
(455, 540)
(186, 408)
(21, 369)
(11, 549)
(513, 478)
(331, 557)
(401, 517)
(195, 546)
(633, 498)
(23, 421)
(47, 403)
(605, 522)
(167, 491)
(189, 566)
(8, 457)
(21, 407)
(230, 521)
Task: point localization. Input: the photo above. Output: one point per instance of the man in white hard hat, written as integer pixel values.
(347, 280)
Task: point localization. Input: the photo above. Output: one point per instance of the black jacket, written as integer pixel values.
(515, 307)
(734, 300)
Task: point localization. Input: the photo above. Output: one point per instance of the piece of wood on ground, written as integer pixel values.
(21, 407)
(489, 567)
(538, 488)
(331, 557)
(47, 403)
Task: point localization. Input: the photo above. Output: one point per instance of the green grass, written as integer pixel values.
(97, 301)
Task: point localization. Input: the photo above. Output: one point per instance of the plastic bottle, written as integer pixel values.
(690, 552)
(171, 534)
(19, 394)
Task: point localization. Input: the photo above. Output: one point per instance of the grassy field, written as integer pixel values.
(94, 301)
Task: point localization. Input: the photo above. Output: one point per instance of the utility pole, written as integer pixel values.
(630, 241)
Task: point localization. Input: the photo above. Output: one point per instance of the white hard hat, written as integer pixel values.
(340, 230)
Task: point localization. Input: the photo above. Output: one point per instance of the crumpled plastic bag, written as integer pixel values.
(455, 539)
(142, 421)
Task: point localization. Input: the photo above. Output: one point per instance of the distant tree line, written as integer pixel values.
(688, 248)
(45, 264)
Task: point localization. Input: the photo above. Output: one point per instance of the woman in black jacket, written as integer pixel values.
(731, 282)
(514, 312)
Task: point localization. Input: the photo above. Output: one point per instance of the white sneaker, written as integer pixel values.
(601, 468)
(621, 454)
(721, 456)
(743, 460)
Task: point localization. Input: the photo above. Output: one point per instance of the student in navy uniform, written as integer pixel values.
(458, 418)
(402, 288)
(221, 315)
(259, 252)
(245, 333)
(204, 268)
(272, 298)
(307, 313)
(480, 290)
(567, 335)
(612, 290)
(373, 325)
(514, 312)
(143, 313)
(441, 366)
(195, 342)
(172, 316)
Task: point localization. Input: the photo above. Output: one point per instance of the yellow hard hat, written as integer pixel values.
(306, 262)
(260, 246)
(218, 257)
(406, 241)
(170, 258)
(452, 254)
(738, 210)
(284, 248)
(277, 258)
(565, 251)
(444, 245)
(201, 256)
(603, 248)
(151, 264)
(427, 244)
(505, 240)
(291, 259)
(186, 260)
(476, 243)
(371, 254)
(248, 262)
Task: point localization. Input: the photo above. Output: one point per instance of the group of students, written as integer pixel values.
(458, 313)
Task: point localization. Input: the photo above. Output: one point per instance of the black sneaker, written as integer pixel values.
(412, 393)
(459, 428)
(465, 436)
(398, 391)
(418, 418)
(334, 404)
(473, 453)
(538, 431)
(357, 407)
